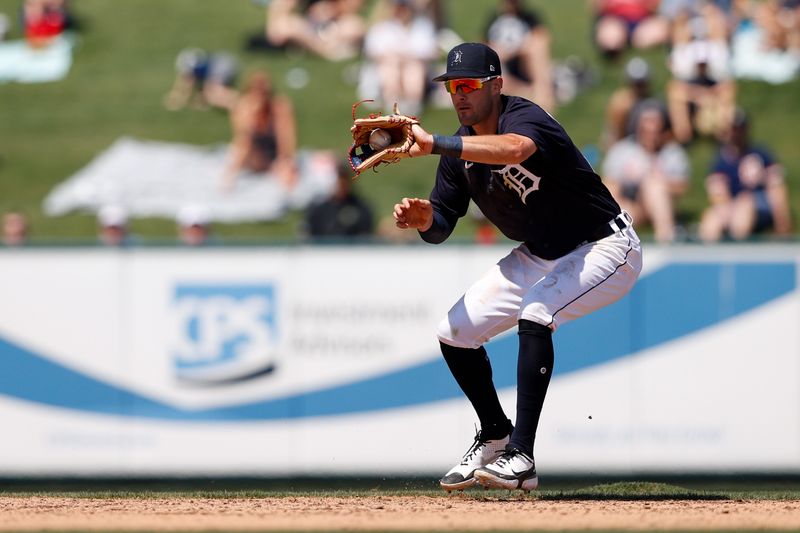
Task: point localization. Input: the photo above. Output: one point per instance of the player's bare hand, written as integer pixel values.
(413, 213)
(423, 142)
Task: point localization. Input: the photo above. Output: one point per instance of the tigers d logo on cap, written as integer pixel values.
(471, 60)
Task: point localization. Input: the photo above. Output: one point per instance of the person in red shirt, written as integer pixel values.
(623, 23)
(44, 20)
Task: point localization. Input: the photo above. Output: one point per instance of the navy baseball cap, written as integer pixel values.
(471, 60)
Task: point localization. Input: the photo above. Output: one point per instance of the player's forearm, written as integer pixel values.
(490, 149)
(498, 149)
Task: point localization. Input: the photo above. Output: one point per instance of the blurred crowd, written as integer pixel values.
(649, 130)
(644, 145)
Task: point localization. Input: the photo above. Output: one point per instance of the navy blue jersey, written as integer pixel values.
(552, 201)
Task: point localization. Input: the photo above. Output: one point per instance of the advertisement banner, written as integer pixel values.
(282, 361)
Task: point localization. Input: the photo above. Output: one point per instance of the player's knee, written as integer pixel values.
(538, 313)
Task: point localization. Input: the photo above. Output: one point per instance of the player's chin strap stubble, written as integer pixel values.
(451, 145)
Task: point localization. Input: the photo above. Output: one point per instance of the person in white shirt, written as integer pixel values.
(647, 171)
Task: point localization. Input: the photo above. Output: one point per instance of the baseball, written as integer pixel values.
(379, 139)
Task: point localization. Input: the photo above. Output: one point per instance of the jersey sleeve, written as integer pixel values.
(449, 199)
(529, 120)
(523, 123)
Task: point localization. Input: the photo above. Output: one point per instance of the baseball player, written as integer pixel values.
(578, 253)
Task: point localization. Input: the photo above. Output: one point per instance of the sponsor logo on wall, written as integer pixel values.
(223, 333)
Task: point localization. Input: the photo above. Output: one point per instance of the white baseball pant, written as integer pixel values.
(548, 292)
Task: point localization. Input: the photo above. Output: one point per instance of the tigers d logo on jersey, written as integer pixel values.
(519, 179)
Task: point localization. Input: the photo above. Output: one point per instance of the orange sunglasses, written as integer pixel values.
(466, 84)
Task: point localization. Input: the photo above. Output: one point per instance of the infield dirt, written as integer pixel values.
(406, 513)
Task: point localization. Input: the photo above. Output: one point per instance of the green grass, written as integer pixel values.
(557, 489)
(123, 66)
(613, 491)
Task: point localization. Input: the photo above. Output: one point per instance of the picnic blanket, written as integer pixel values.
(158, 179)
(21, 63)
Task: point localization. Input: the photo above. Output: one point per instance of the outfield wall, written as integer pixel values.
(323, 360)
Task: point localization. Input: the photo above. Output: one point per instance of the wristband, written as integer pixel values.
(447, 145)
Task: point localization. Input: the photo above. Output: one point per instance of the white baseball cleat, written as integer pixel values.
(480, 453)
(512, 470)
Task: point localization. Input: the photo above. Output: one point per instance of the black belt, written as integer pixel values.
(618, 223)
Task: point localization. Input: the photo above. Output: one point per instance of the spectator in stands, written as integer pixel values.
(620, 24)
(44, 20)
(624, 101)
(401, 47)
(647, 171)
(15, 229)
(203, 79)
(778, 20)
(343, 214)
(701, 94)
(259, 145)
(746, 189)
(112, 225)
(719, 14)
(194, 225)
(790, 14)
(333, 29)
(523, 43)
(766, 42)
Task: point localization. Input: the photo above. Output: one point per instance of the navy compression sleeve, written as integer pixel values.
(439, 231)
